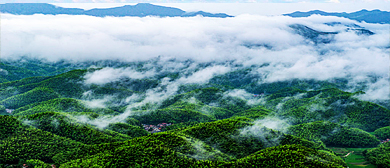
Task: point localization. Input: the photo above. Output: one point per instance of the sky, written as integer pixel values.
(231, 7)
(192, 1)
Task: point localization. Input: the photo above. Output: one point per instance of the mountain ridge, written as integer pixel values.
(140, 10)
(373, 16)
(147, 9)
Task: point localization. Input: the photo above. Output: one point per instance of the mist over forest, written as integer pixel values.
(193, 91)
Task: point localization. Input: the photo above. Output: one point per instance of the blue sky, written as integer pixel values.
(192, 1)
(231, 7)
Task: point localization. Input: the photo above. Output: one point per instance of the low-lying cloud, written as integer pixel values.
(97, 103)
(107, 75)
(204, 75)
(267, 136)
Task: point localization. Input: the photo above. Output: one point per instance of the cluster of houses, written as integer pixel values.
(9, 110)
(386, 140)
(155, 128)
(258, 95)
(26, 166)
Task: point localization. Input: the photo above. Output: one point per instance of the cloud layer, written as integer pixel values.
(244, 41)
(109, 74)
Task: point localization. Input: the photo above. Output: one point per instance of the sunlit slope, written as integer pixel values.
(38, 94)
(191, 148)
(333, 134)
(22, 142)
(8, 126)
(256, 112)
(157, 150)
(330, 105)
(67, 125)
(29, 92)
(172, 149)
(60, 105)
(289, 156)
(41, 136)
(382, 133)
(182, 111)
(379, 156)
(240, 137)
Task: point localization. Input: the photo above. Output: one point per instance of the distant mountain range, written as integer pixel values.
(146, 9)
(140, 10)
(374, 16)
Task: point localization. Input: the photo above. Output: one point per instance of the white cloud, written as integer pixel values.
(242, 94)
(379, 90)
(268, 137)
(204, 75)
(97, 103)
(133, 38)
(109, 74)
(202, 40)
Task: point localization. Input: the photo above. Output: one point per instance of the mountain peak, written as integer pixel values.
(138, 10)
(374, 16)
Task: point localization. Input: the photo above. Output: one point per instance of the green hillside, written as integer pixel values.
(33, 96)
(334, 135)
(66, 126)
(382, 133)
(231, 120)
(379, 156)
(331, 105)
(60, 105)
